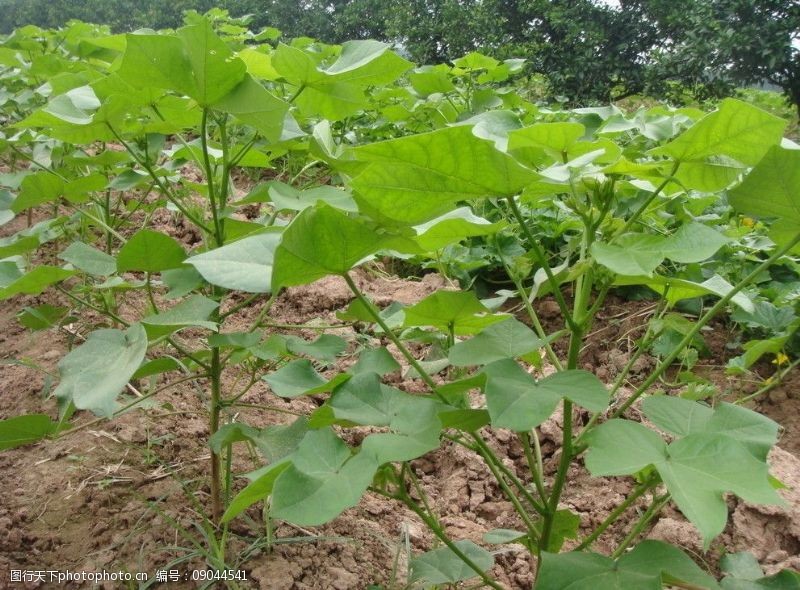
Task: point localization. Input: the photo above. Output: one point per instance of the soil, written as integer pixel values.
(127, 495)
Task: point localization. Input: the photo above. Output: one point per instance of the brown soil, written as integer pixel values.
(126, 495)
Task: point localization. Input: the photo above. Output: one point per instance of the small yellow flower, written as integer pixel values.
(780, 359)
(748, 222)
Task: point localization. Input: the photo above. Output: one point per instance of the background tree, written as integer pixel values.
(715, 45)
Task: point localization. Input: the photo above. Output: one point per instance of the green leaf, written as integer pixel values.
(36, 281)
(231, 433)
(697, 469)
(278, 441)
(457, 310)
(24, 430)
(412, 420)
(502, 536)
(452, 227)
(556, 138)
(36, 189)
(194, 311)
(741, 565)
(517, 402)
(738, 130)
(150, 251)
(641, 254)
(243, 265)
(238, 340)
(505, 340)
(467, 420)
(216, 71)
(41, 317)
(285, 197)
(677, 415)
(427, 80)
(683, 417)
(324, 348)
(94, 373)
(650, 566)
(181, 281)
(194, 62)
(783, 580)
(676, 290)
(17, 244)
(89, 259)
(299, 378)
(323, 480)
(338, 91)
(256, 491)
(322, 241)
(253, 105)
(772, 189)
(157, 366)
(744, 573)
(443, 566)
(416, 178)
(375, 360)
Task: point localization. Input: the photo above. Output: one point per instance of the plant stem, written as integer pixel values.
(213, 426)
(773, 382)
(537, 325)
(437, 530)
(392, 336)
(640, 490)
(638, 213)
(497, 468)
(534, 460)
(167, 193)
(209, 171)
(542, 260)
(641, 524)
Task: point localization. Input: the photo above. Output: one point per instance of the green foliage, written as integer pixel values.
(440, 167)
(652, 564)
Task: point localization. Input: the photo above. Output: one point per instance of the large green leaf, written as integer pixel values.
(412, 420)
(338, 91)
(35, 281)
(150, 251)
(457, 310)
(772, 189)
(299, 378)
(256, 491)
(89, 259)
(94, 373)
(194, 311)
(324, 479)
(416, 178)
(697, 469)
(505, 340)
(640, 254)
(36, 189)
(683, 417)
(24, 430)
(676, 290)
(737, 130)
(556, 138)
(443, 566)
(253, 105)
(194, 62)
(322, 241)
(244, 265)
(518, 402)
(650, 566)
(454, 226)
